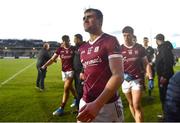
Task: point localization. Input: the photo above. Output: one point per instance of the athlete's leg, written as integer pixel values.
(130, 101)
(67, 86)
(136, 97)
(126, 88)
(73, 91)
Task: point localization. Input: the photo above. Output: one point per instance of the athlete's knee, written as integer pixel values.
(131, 104)
(66, 88)
(137, 106)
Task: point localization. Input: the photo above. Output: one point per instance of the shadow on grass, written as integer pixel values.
(47, 107)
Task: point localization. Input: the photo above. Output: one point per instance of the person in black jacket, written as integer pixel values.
(164, 66)
(78, 68)
(43, 57)
(172, 102)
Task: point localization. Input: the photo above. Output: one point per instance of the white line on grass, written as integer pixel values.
(16, 74)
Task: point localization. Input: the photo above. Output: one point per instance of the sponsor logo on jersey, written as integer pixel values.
(66, 57)
(92, 62)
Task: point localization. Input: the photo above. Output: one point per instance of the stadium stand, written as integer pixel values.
(23, 48)
(30, 47)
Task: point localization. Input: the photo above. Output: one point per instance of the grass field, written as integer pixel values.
(21, 102)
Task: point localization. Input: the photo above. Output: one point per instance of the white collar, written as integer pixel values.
(129, 46)
(92, 42)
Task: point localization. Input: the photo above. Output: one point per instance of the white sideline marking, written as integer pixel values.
(16, 74)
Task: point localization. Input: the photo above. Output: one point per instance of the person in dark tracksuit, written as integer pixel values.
(78, 68)
(43, 57)
(150, 56)
(164, 66)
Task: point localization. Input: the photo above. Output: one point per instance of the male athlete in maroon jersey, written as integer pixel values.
(103, 71)
(135, 65)
(133, 56)
(66, 53)
(94, 57)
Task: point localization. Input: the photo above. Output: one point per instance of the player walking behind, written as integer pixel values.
(134, 59)
(66, 52)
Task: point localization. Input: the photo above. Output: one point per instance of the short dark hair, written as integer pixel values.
(160, 37)
(65, 38)
(99, 14)
(128, 29)
(79, 36)
(145, 38)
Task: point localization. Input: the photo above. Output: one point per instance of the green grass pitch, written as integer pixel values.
(21, 102)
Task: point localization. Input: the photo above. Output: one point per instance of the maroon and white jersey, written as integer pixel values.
(133, 60)
(66, 55)
(95, 59)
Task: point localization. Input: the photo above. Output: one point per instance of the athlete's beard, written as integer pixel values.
(90, 30)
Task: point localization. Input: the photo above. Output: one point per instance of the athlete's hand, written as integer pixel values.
(43, 67)
(81, 76)
(88, 112)
(151, 84)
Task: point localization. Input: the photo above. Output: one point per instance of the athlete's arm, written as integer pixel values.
(90, 110)
(116, 66)
(50, 61)
(147, 66)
